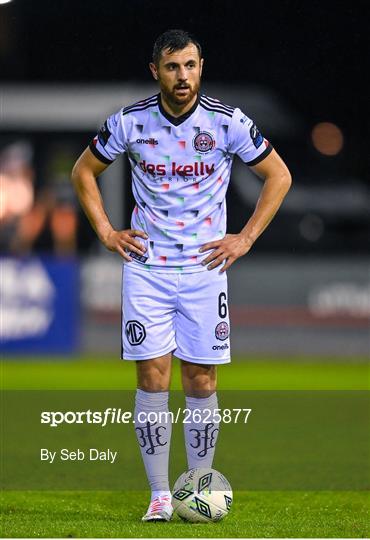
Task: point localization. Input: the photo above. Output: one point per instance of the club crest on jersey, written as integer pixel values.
(203, 142)
(222, 331)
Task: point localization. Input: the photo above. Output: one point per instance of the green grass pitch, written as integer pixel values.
(118, 514)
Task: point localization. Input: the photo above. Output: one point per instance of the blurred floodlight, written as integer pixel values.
(5, 2)
(327, 138)
(311, 227)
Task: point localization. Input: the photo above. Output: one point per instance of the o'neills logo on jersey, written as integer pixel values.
(147, 141)
(174, 169)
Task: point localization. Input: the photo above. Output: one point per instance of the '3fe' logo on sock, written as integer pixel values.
(205, 439)
(150, 437)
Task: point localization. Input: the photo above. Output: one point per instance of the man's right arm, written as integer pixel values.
(84, 178)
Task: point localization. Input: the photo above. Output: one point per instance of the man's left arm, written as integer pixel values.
(277, 181)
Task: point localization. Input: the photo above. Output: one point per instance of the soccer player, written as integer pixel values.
(181, 146)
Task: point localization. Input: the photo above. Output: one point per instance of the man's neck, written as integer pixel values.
(177, 110)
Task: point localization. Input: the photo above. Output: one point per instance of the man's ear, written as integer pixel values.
(153, 69)
(201, 65)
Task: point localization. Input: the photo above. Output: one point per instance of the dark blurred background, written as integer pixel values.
(297, 68)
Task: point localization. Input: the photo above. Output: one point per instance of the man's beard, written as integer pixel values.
(174, 99)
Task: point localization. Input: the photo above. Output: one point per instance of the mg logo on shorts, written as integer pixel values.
(135, 332)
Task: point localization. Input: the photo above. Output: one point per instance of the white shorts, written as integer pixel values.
(183, 313)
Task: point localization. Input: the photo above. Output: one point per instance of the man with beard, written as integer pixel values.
(180, 145)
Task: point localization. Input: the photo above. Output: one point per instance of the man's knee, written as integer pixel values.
(154, 375)
(198, 380)
(153, 381)
(201, 386)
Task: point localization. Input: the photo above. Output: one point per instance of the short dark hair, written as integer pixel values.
(174, 40)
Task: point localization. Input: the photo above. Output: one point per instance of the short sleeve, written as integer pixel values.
(110, 140)
(246, 141)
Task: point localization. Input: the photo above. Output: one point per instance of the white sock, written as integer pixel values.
(201, 437)
(154, 436)
(160, 493)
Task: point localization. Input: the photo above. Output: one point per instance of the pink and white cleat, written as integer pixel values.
(160, 509)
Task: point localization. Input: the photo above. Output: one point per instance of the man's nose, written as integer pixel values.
(182, 75)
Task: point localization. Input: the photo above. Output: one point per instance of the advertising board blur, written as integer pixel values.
(39, 299)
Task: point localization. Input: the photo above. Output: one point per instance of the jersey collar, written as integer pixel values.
(177, 120)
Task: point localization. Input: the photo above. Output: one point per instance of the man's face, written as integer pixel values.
(178, 74)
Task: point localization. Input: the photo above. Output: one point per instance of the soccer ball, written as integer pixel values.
(201, 496)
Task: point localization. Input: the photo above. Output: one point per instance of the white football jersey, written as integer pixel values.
(180, 173)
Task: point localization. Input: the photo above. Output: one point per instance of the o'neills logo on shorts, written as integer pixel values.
(174, 169)
(220, 347)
